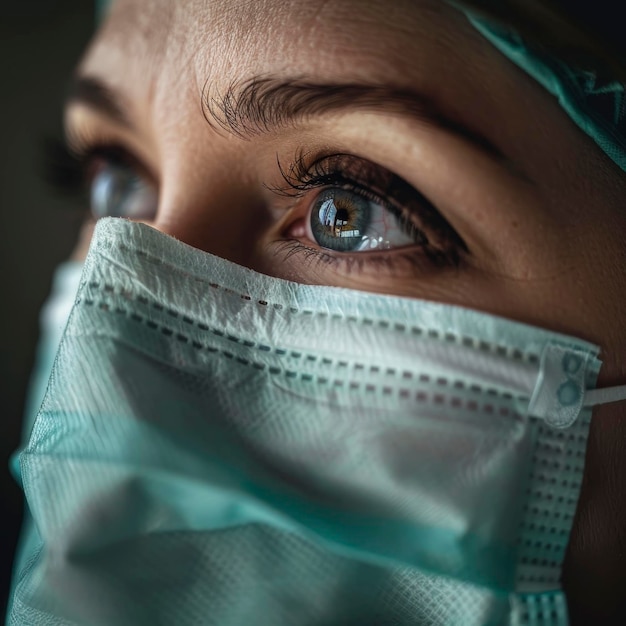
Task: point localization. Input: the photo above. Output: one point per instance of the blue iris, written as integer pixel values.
(340, 219)
(117, 191)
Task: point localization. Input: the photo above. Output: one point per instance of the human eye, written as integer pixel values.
(115, 183)
(345, 220)
(349, 206)
(117, 189)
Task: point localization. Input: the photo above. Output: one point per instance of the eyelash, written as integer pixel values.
(378, 185)
(68, 170)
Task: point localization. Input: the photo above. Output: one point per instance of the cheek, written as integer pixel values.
(84, 239)
(595, 566)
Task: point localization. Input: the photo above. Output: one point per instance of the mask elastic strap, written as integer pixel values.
(594, 397)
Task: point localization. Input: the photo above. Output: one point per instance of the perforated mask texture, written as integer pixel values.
(218, 445)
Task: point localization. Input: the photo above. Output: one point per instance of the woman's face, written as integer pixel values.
(379, 146)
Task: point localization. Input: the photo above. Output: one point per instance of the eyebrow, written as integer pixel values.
(262, 105)
(265, 104)
(96, 95)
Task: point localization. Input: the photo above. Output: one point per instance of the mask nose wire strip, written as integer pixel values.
(605, 396)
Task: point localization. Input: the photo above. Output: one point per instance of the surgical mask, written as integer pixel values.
(52, 321)
(221, 447)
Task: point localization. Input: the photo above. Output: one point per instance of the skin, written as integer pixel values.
(541, 210)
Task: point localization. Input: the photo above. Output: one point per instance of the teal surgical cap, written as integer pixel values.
(597, 106)
(101, 8)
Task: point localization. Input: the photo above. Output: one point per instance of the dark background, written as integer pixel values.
(40, 43)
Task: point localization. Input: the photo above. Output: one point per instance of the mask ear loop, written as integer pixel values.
(606, 395)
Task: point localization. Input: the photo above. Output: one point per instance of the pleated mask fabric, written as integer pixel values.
(218, 446)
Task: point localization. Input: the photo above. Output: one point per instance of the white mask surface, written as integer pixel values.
(221, 447)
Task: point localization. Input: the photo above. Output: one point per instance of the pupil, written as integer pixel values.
(341, 221)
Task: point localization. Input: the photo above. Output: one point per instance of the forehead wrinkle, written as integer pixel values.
(247, 31)
(132, 29)
(227, 36)
(239, 31)
(344, 37)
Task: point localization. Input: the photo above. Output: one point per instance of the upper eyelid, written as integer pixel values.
(357, 173)
(344, 183)
(305, 167)
(97, 96)
(114, 151)
(88, 128)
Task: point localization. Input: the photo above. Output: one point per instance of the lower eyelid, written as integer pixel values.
(407, 261)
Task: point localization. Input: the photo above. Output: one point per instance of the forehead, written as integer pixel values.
(162, 51)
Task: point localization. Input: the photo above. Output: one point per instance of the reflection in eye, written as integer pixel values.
(358, 206)
(345, 221)
(117, 184)
(118, 191)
